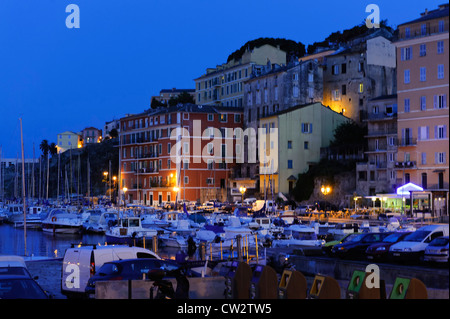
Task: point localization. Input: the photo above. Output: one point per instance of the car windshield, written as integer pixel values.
(13, 271)
(417, 236)
(349, 238)
(357, 238)
(392, 238)
(108, 269)
(20, 288)
(441, 241)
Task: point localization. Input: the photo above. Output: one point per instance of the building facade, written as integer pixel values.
(378, 174)
(90, 135)
(292, 142)
(185, 152)
(361, 70)
(423, 113)
(68, 140)
(224, 84)
(166, 94)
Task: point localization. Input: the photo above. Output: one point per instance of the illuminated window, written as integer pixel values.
(361, 88)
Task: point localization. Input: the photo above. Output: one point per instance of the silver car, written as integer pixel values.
(437, 250)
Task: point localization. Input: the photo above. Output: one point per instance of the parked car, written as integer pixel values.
(14, 265)
(90, 258)
(20, 287)
(379, 251)
(356, 247)
(129, 269)
(412, 247)
(327, 247)
(437, 250)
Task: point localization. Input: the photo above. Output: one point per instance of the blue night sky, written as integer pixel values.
(59, 79)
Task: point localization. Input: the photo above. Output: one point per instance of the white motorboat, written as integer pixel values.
(62, 221)
(173, 240)
(299, 235)
(100, 221)
(129, 231)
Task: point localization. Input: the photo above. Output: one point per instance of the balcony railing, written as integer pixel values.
(407, 141)
(405, 164)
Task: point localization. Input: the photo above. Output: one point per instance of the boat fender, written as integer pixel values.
(54, 219)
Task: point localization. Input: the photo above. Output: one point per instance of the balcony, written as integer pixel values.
(406, 164)
(407, 141)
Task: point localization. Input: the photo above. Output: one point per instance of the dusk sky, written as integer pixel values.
(59, 79)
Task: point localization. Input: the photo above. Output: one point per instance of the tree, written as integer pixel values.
(44, 147)
(113, 133)
(155, 103)
(349, 134)
(53, 149)
(183, 97)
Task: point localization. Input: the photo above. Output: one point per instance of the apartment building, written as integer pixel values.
(291, 142)
(378, 175)
(90, 135)
(224, 84)
(68, 140)
(359, 71)
(423, 113)
(182, 152)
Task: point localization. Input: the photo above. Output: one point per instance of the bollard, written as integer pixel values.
(325, 287)
(357, 288)
(263, 283)
(237, 281)
(292, 285)
(155, 244)
(408, 288)
(239, 247)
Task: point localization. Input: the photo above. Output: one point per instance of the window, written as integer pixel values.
(276, 94)
(440, 72)
(423, 29)
(440, 101)
(306, 145)
(423, 157)
(423, 133)
(295, 91)
(310, 77)
(440, 47)
(440, 131)
(210, 181)
(441, 26)
(289, 164)
(289, 144)
(424, 180)
(423, 50)
(186, 180)
(423, 74)
(210, 117)
(307, 128)
(439, 157)
(407, 32)
(344, 68)
(223, 117)
(361, 88)
(407, 105)
(406, 53)
(344, 89)
(335, 94)
(237, 118)
(407, 178)
(406, 76)
(185, 148)
(168, 163)
(335, 69)
(185, 164)
(423, 103)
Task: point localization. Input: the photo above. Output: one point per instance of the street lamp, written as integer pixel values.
(106, 181)
(114, 188)
(325, 190)
(242, 189)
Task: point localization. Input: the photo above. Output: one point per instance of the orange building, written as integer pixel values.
(422, 97)
(170, 154)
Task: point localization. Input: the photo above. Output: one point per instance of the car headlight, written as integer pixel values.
(407, 249)
(382, 248)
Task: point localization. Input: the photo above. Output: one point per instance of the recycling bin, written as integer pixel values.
(408, 288)
(237, 281)
(264, 282)
(325, 287)
(292, 285)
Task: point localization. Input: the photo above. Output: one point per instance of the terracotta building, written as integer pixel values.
(423, 113)
(184, 152)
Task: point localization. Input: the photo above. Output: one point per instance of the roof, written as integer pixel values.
(385, 97)
(175, 90)
(300, 107)
(442, 11)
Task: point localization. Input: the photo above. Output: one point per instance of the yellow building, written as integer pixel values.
(290, 141)
(68, 140)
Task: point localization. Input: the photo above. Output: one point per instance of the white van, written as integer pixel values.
(412, 247)
(81, 262)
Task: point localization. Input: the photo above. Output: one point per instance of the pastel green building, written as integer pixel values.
(291, 142)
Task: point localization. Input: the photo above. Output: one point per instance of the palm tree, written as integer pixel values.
(53, 149)
(44, 147)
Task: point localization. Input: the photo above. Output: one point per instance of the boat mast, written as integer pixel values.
(23, 191)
